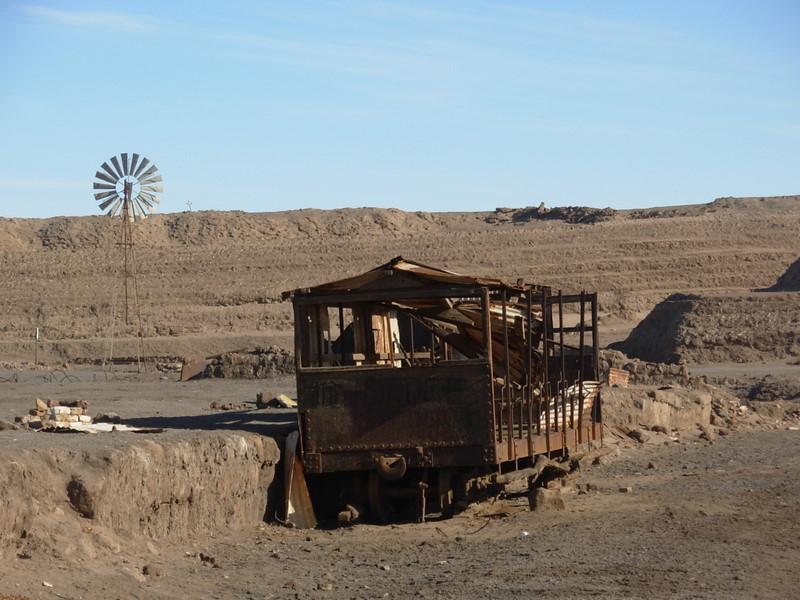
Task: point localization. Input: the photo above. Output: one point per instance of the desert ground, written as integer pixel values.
(700, 299)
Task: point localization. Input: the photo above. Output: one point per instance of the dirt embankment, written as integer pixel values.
(740, 328)
(78, 498)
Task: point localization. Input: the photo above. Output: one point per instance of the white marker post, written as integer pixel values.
(36, 348)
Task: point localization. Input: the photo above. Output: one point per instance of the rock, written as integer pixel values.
(108, 418)
(541, 499)
(659, 429)
(7, 425)
(626, 490)
(706, 433)
(348, 516)
(80, 498)
(639, 435)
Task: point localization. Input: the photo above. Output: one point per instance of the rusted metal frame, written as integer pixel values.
(570, 298)
(581, 360)
(507, 376)
(411, 332)
(596, 350)
(546, 327)
(562, 366)
(487, 346)
(388, 295)
(298, 338)
(318, 329)
(388, 325)
(341, 331)
(528, 370)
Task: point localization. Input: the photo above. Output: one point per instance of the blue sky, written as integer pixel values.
(435, 106)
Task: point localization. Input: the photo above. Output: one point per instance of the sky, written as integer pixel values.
(432, 105)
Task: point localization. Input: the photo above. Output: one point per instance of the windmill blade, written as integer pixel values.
(144, 207)
(153, 188)
(134, 160)
(142, 165)
(124, 163)
(105, 204)
(144, 203)
(116, 164)
(110, 172)
(147, 173)
(155, 179)
(103, 195)
(150, 197)
(113, 211)
(105, 177)
(140, 212)
(103, 186)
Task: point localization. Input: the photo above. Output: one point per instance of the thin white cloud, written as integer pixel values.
(42, 184)
(102, 20)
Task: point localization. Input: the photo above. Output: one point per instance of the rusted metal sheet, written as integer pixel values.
(193, 368)
(618, 377)
(390, 409)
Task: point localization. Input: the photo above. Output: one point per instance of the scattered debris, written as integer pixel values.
(227, 406)
(260, 363)
(73, 416)
(543, 499)
(277, 401)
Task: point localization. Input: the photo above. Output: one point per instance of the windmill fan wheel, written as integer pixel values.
(128, 187)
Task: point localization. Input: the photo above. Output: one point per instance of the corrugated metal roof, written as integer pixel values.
(422, 275)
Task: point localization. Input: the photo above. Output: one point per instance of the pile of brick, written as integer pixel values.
(52, 414)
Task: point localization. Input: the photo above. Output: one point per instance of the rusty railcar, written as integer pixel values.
(411, 378)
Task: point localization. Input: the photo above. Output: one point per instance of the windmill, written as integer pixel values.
(128, 189)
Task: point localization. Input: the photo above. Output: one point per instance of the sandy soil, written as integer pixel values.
(702, 519)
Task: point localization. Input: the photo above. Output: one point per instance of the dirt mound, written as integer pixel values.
(259, 363)
(722, 328)
(790, 280)
(568, 214)
(646, 373)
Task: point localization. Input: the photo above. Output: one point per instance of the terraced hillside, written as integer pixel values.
(211, 281)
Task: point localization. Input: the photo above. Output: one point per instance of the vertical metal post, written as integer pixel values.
(341, 332)
(300, 327)
(529, 369)
(546, 368)
(596, 414)
(318, 329)
(563, 370)
(487, 345)
(507, 381)
(36, 348)
(411, 330)
(581, 359)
